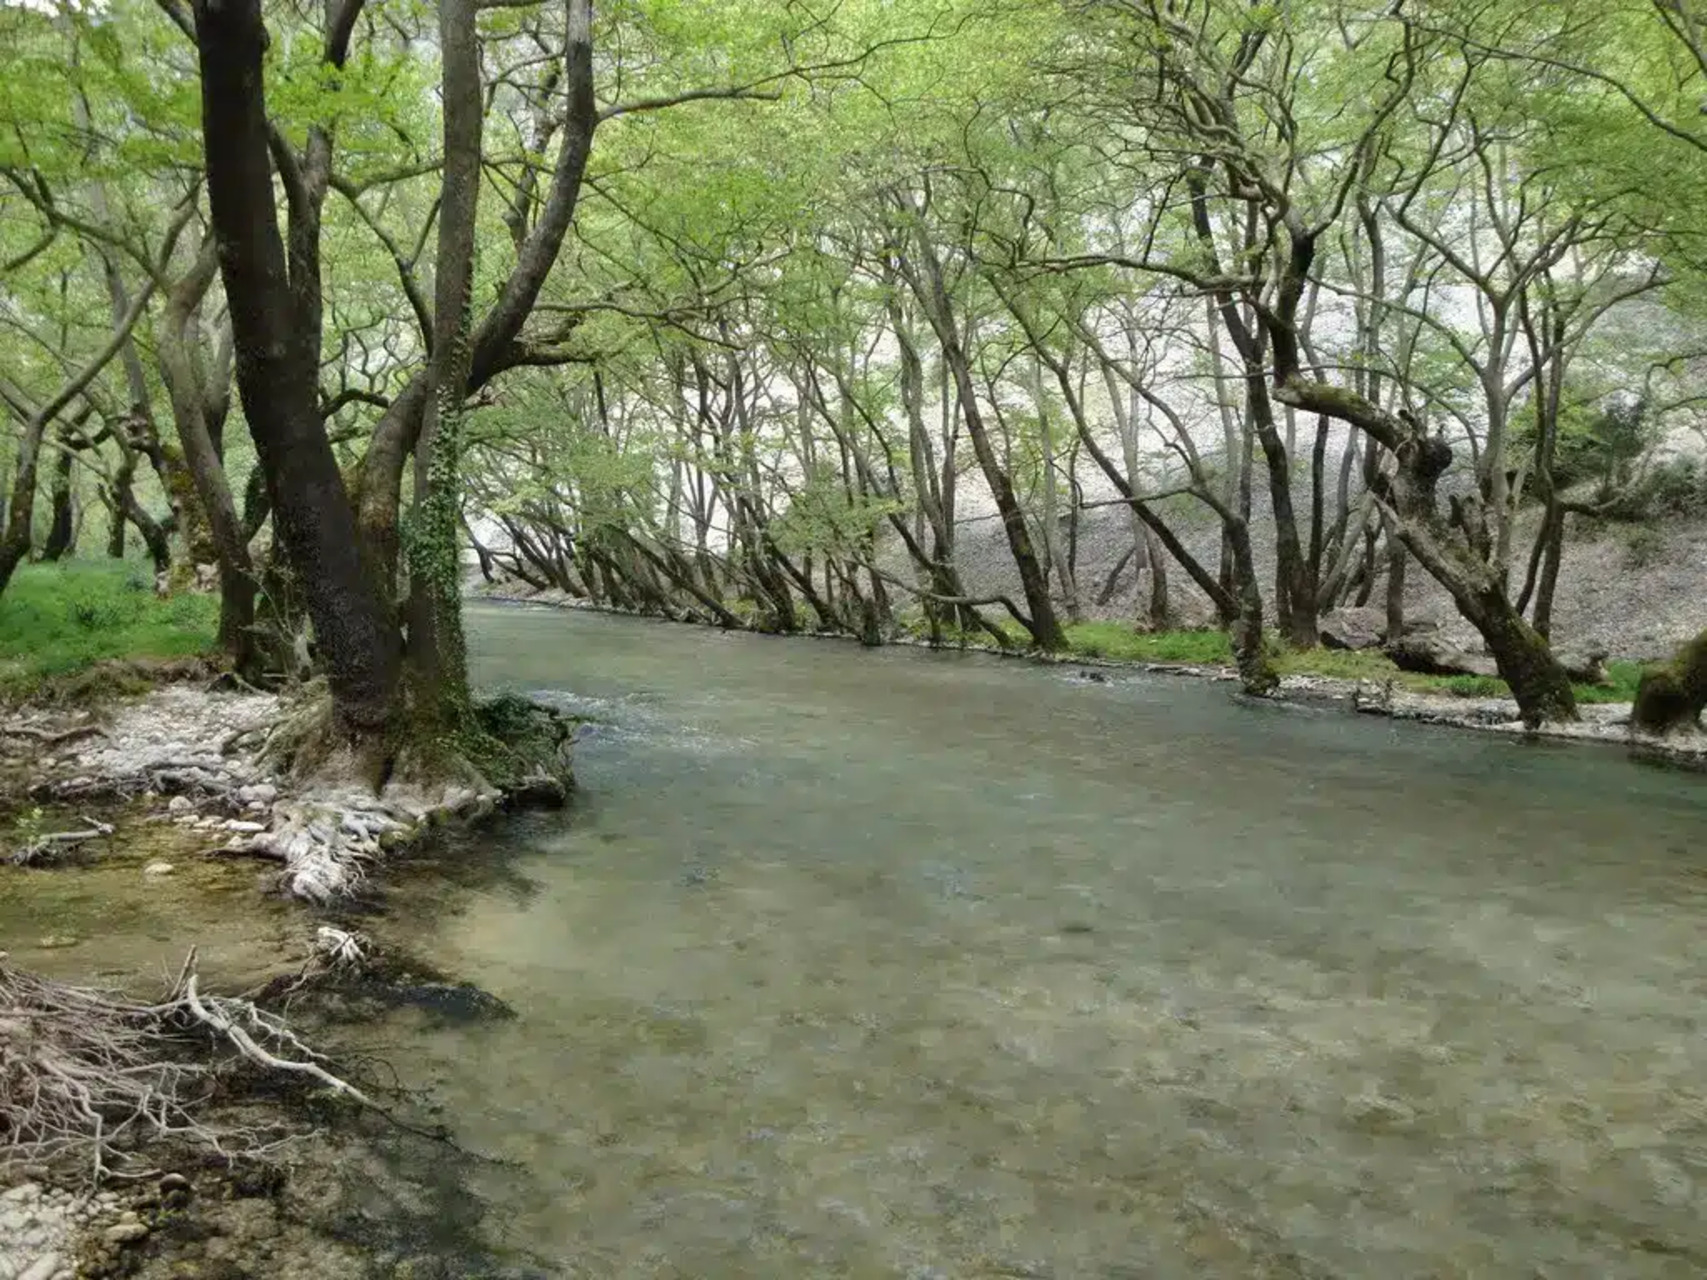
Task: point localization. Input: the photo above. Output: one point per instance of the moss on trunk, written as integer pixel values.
(1672, 696)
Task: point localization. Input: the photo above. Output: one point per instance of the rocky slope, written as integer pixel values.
(1636, 590)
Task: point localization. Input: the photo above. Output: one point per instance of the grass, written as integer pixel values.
(1117, 641)
(62, 618)
(1120, 642)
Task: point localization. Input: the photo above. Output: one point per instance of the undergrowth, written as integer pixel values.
(56, 619)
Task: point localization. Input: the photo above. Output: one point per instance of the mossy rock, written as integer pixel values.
(1672, 697)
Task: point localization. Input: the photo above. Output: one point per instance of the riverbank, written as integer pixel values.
(1362, 682)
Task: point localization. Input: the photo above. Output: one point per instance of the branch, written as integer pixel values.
(731, 93)
(339, 29)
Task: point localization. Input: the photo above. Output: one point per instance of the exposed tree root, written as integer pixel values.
(271, 778)
(92, 1076)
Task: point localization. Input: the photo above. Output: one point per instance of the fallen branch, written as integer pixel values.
(48, 739)
(40, 846)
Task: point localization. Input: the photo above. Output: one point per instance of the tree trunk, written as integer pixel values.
(1055, 556)
(1395, 587)
(1161, 607)
(209, 504)
(437, 653)
(277, 376)
(61, 537)
(495, 344)
(932, 293)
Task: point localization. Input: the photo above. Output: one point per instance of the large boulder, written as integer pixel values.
(1353, 628)
(1431, 655)
(1673, 696)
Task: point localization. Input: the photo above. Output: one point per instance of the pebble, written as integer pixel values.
(178, 804)
(124, 1233)
(158, 869)
(44, 1268)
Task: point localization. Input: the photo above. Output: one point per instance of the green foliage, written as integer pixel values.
(1593, 446)
(60, 618)
(1670, 490)
(1643, 547)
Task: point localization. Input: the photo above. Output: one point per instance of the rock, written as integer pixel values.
(43, 1268)
(250, 828)
(174, 1182)
(1353, 628)
(124, 1233)
(1421, 626)
(1585, 666)
(179, 804)
(258, 793)
(1432, 656)
(158, 869)
(1375, 1112)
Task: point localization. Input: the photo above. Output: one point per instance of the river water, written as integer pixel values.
(898, 964)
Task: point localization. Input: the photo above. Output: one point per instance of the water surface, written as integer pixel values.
(888, 963)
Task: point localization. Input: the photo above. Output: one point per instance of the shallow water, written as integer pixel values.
(853, 963)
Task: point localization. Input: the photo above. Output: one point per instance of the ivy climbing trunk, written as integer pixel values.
(437, 659)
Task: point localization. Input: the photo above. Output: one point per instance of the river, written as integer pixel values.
(899, 964)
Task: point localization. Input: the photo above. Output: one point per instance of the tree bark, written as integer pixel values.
(495, 345)
(437, 652)
(61, 539)
(278, 376)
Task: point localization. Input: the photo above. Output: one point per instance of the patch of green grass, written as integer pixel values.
(1119, 641)
(59, 618)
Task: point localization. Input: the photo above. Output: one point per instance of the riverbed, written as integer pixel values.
(906, 964)
(893, 963)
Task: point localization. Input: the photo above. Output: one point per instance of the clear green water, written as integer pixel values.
(892, 964)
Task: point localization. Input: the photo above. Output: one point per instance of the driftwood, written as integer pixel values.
(93, 1075)
(40, 848)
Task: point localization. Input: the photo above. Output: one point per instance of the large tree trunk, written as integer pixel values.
(278, 376)
(495, 342)
(437, 654)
